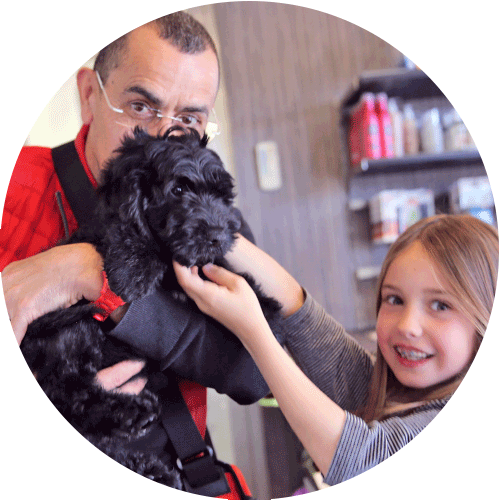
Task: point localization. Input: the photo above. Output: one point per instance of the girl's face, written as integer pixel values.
(422, 335)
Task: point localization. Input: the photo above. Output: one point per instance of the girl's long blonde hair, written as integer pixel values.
(465, 250)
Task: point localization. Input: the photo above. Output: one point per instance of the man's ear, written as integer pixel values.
(87, 89)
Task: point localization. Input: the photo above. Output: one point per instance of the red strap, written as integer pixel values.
(233, 494)
(107, 301)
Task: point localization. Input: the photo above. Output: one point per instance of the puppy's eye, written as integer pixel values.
(178, 190)
(182, 186)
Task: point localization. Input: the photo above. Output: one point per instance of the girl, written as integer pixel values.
(435, 294)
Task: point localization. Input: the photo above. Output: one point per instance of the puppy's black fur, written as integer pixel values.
(165, 197)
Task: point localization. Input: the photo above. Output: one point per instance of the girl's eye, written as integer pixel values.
(393, 300)
(438, 305)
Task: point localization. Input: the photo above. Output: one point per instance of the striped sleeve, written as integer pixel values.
(362, 445)
(330, 358)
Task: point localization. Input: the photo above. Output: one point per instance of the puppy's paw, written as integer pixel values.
(180, 296)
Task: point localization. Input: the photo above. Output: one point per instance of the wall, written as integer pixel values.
(60, 120)
(286, 68)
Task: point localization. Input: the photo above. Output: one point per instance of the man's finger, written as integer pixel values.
(19, 326)
(114, 376)
(133, 387)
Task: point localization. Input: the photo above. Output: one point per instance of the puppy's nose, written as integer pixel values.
(214, 237)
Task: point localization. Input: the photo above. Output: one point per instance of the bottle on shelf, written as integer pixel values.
(397, 128)
(410, 127)
(432, 132)
(456, 135)
(364, 132)
(384, 125)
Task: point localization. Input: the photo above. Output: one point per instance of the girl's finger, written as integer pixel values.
(191, 282)
(185, 276)
(221, 276)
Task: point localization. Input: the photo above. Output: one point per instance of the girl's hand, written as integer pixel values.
(227, 298)
(315, 419)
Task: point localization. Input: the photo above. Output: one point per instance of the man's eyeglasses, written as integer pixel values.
(140, 112)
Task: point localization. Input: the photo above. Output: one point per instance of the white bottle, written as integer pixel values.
(455, 132)
(432, 132)
(397, 128)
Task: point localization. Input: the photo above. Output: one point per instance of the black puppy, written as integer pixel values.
(163, 198)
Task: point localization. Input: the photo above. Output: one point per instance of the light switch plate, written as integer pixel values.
(268, 165)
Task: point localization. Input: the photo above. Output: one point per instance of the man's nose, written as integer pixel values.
(163, 124)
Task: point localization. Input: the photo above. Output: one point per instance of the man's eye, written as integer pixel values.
(141, 110)
(189, 120)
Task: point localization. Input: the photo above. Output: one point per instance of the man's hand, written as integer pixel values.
(114, 378)
(50, 280)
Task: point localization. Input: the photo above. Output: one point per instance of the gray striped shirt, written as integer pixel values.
(342, 369)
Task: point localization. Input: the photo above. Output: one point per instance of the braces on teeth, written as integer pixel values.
(412, 355)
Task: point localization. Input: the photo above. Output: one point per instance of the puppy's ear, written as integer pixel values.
(127, 183)
(134, 203)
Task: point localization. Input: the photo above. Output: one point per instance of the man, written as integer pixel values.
(163, 73)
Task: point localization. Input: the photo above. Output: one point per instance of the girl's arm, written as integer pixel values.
(273, 278)
(316, 419)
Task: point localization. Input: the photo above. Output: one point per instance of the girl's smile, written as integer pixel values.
(423, 336)
(411, 357)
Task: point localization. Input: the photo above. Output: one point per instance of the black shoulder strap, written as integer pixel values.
(195, 460)
(76, 185)
(203, 474)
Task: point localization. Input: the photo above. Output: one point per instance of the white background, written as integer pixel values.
(454, 42)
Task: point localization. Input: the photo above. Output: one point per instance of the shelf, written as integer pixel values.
(367, 273)
(417, 162)
(397, 82)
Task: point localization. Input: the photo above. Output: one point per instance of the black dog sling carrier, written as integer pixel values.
(201, 471)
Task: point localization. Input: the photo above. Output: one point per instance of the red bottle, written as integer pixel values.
(364, 132)
(385, 126)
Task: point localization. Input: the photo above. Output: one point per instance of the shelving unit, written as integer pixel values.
(451, 159)
(395, 82)
(434, 171)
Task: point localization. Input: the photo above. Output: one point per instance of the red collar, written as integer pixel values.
(80, 140)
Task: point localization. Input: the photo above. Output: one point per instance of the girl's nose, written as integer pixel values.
(410, 322)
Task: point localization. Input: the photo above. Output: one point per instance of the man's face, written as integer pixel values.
(154, 73)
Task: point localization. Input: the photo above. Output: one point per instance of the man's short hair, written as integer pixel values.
(181, 29)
